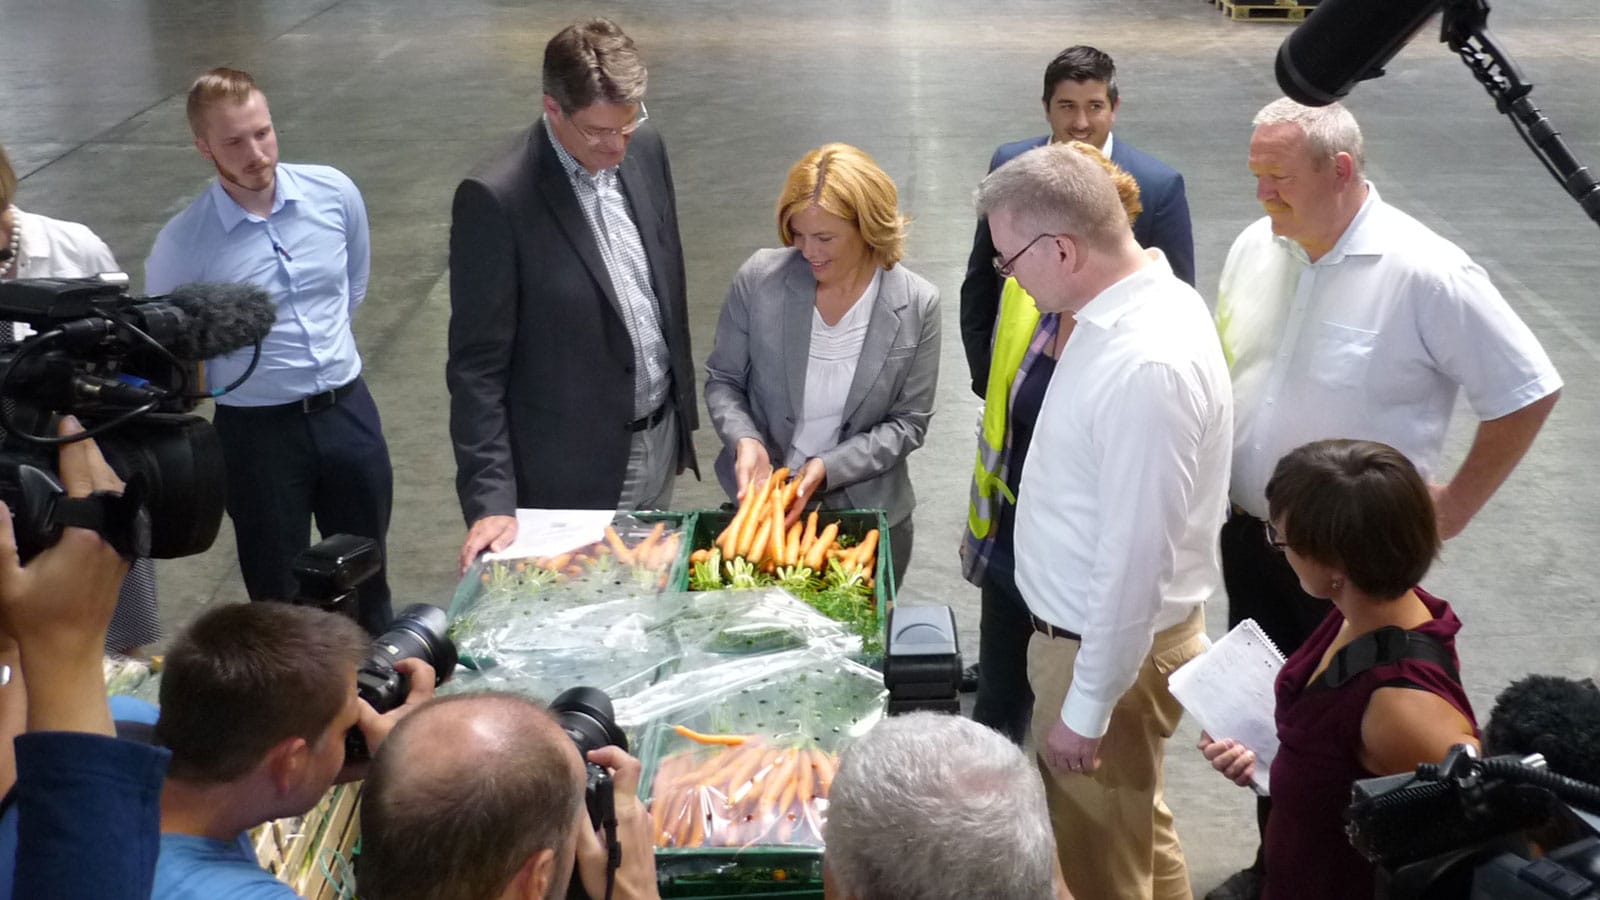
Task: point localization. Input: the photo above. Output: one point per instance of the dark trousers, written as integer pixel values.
(1005, 700)
(1262, 586)
(286, 467)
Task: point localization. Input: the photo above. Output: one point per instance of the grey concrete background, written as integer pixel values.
(406, 95)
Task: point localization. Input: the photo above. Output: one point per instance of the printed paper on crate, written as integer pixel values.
(546, 532)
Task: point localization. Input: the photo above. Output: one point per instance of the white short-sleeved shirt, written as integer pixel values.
(1126, 483)
(1371, 341)
(830, 370)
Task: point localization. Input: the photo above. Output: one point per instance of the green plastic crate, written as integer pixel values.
(717, 873)
(709, 523)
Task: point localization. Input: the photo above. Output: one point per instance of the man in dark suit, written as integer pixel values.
(571, 382)
(1080, 103)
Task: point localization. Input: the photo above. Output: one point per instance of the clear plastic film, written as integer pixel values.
(751, 764)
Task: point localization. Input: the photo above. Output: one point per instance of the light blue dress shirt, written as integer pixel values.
(311, 255)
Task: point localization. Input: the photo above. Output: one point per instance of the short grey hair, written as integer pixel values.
(592, 61)
(937, 807)
(1329, 130)
(1054, 189)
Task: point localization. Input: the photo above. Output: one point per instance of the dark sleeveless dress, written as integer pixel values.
(1308, 856)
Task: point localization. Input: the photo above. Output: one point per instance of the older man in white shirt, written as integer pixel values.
(1120, 501)
(1343, 317)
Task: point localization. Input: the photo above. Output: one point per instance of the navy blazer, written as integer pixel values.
(1164, 224)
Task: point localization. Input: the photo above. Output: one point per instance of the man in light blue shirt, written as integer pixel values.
(301, 435)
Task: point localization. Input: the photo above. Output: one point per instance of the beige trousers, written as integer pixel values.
(1114, 832)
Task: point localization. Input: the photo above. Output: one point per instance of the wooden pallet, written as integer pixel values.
(1254, 12)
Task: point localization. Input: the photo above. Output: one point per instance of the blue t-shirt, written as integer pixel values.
(197, 868)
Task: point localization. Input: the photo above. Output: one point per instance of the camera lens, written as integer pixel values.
(587, 716)
(419, 632)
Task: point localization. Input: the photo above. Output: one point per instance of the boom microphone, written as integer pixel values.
(221, 318)
(1345, 41)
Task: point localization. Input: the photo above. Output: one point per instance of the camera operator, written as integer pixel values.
(481, 796)
(35, 246)
(1376, 689)
(928, 806)
(256, 701)
(1556, 717)
(85, 802)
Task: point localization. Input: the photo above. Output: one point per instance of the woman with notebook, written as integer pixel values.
(1375, 690)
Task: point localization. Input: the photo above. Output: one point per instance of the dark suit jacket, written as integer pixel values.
(541, 365)
(756, 378)
(1164, 224)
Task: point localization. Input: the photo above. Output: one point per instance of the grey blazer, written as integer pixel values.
(756, 376)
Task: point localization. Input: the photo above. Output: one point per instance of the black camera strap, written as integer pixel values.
(1389, 644)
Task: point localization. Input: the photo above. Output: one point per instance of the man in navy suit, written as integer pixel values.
(1080, 103)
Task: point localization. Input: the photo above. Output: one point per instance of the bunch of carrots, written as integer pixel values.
(762, 534)
(655, 552)
(748, 792)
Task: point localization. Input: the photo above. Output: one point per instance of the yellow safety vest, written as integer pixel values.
(1013, 332)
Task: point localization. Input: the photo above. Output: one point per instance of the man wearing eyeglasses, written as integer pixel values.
(1122, 492)
(571, 383)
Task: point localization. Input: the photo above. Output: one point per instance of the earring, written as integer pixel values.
(1335, 585)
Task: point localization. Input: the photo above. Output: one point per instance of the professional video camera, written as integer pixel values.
(1464, 829)
(121, 365)
(419, 632)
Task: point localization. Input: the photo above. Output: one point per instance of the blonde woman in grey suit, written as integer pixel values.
(827, 351)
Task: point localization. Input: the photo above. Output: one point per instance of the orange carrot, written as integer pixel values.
(761, 545)
(667, 551)
(779, 542)
(824, 543)
(791, 552)
(699, 556)
(747, 530)
(644, 552)
(809, 536)
(614, 541)
(826, 766)
(725, 740)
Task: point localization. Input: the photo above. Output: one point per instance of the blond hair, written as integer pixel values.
(1127, 187)
(219, 86)
(844, 181)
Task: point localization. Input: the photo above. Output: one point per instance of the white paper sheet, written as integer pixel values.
(547, 532)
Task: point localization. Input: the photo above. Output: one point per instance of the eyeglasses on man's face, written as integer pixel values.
(1005, 266)
(598, 136)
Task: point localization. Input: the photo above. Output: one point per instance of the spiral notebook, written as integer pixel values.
(1229, 690)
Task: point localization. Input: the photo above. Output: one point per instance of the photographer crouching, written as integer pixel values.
(256, 703)
(483, 796)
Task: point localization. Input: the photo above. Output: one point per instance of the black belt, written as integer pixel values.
(309, 404)
(1048, 630)
(644, 423)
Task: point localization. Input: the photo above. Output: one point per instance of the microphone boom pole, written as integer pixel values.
(1466, 32)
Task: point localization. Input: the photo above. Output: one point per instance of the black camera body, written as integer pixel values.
(1465, 828)
(419, 632)
(587, 716)
(122, 365)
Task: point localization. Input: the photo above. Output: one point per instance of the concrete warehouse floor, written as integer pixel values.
(407, 95)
